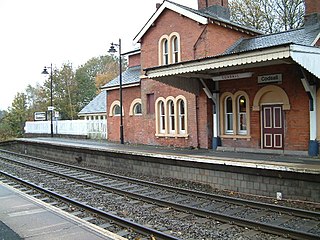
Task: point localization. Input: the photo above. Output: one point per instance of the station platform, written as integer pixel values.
(24, 217)
(279, 162)
(296, 177)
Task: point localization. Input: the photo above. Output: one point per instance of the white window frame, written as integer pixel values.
(242, 132)
(175, 49)
(165, 52)
(172, 116)
(162, 117)
(170, 119)
(228, 115)
(135, 109)
(181, 116)
(114, 110)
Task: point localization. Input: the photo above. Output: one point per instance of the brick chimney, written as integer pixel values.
(312, 6)
(312, 12)
(208, 3)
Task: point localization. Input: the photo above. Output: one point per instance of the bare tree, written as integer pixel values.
(268, 16)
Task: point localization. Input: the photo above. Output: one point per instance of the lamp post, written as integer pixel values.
(51, 102)
(113, 50)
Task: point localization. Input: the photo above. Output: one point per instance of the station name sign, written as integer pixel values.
(270, 78)
(40, 116)
(232, 76)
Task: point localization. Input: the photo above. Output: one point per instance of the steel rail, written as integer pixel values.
(120, 221)
(265, 227)
(233, 200)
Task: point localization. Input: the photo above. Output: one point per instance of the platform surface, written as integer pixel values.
(24, 217)
(296, 163)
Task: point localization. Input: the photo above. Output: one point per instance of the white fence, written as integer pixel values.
(96, 129)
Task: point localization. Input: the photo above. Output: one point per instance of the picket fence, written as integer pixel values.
(95, 129)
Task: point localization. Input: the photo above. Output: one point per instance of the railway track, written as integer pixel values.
(120, 226)
(284, 221)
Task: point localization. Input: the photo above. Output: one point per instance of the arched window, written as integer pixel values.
(137, 110)
(175, 49)
(116, 110)
(182, 117)
(162, 120)
(242, 115)
(171, 116)
(169, 49)
(228, 115)
(235, 120)
(165, 52)
(135, 107)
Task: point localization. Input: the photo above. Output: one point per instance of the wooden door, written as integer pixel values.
(272, 127)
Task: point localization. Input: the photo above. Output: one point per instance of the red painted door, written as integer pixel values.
(272, 127)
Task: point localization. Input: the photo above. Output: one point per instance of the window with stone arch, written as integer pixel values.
(235, 116)
(164, 50)
(228, 112)
(162, 117)
(175, 49)
(171, 117)
(115, 109)
(169, 49)
(242, 114)
(182, 119)
(136, 107)
(137, 110)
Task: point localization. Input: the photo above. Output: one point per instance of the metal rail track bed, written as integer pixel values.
(106, 220)
(288, 222)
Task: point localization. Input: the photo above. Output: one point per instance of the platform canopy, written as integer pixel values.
(208, 68)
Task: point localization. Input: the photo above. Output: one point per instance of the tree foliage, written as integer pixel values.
(92, 75)
(71, 89)
(268, 16)
(13, 122)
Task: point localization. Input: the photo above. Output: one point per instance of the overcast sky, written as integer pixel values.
(35, 33)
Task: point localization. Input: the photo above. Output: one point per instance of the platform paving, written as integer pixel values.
(24, 217)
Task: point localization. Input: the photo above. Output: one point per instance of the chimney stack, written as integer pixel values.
(208, 3)
(312, 15)
(312, 6)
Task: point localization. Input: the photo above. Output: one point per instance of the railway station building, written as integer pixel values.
(200, 80)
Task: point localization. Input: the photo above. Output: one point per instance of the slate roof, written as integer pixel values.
(208, 13)
(97, 105)
(302, 36)
(129, 76)
(217, 14)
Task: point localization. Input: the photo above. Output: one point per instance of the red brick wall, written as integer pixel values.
(142, 129)
(197, 40)
(312, 6)
(162, 90)
(202, 3)
(134, 60)
(296, 119)
(215, 40)
(113, 122)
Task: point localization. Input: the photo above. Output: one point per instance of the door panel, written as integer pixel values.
(272, 130)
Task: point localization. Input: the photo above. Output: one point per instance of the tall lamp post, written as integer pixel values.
(45, 71)
(113, 50)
